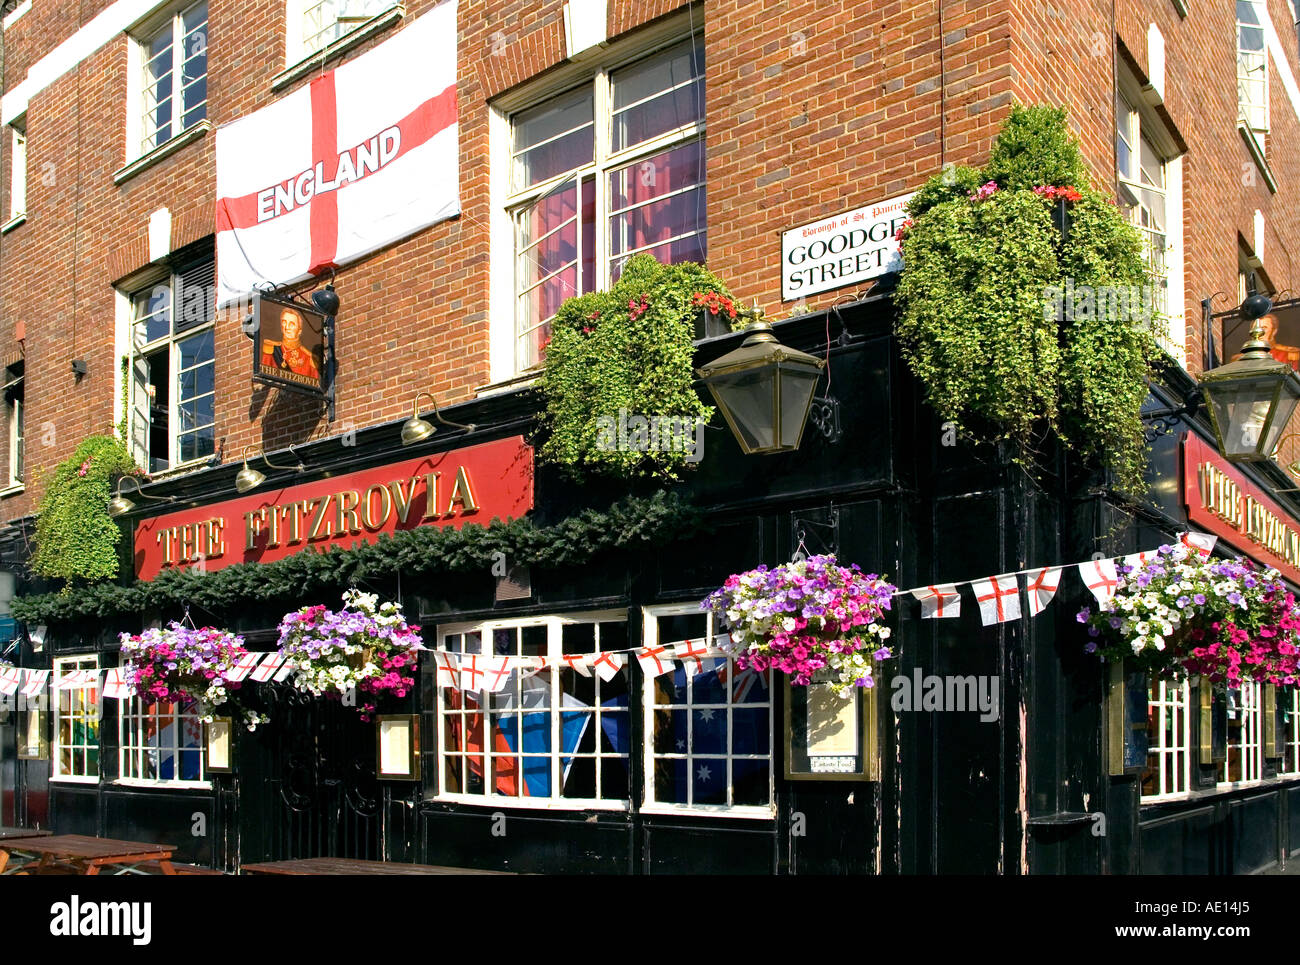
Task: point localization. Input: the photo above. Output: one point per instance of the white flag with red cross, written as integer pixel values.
(448, 670)
(1139, 560)
(1041, 586)
(115, 685)
(78, 679)
(654, 661)
(692, 654)
(939, 602)
(360, 157)
(9, 678)
(268, 668)
(578, 662)
(244, 666)
(1100, 577)
(498, 671)
(608, 665)
(998, 598)
(1203, 543)
(473, 672)
(35, 682)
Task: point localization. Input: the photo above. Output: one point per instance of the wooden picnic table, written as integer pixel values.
(87, 855)
(11, 834)
(352, 866)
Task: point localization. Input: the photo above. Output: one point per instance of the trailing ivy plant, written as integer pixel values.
(76, 539)
(1014, 332)
(625, 353)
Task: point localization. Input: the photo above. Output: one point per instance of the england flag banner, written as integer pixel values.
(363, 156)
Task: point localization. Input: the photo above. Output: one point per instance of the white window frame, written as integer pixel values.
(1253, 117)
(299, 45)
(62, 667)
(14, 411)
(18, 168)
(490, 798)
(1290, 739)
(1251, 746)
(141, 141)
(171, 280)
(507, 202)
(1137, 125)
(650, 638)
(1170, 700)
(132, 745)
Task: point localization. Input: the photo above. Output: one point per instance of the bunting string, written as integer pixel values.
(997, 597)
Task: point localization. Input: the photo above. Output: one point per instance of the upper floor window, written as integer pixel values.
(601, 172)
(171, 392)
(1252, 70)
(76, 718)
(18, 168)
(325, 21)
(1144, 197)
(13, 392)
(175, 87)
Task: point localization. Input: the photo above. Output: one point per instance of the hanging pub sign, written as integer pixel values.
(841, 250)
(475, 484)
(289, 343)
(1222, 501)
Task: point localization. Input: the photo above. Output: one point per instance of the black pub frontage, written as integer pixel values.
(1071, 768)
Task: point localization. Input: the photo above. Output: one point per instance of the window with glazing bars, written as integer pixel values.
(600, 173)
(175, 94)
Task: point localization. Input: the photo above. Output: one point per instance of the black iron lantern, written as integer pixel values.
(764, 390)
(1252, 399)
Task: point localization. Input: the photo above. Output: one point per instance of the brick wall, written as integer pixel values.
(810, 112)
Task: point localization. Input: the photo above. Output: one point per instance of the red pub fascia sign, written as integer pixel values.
(1222, 501)
(471, 485)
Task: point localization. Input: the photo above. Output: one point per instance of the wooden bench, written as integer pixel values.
(155, 868)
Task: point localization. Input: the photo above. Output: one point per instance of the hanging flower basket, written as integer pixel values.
(808, 617)
(1182, 614)
(180, 663)
(367, 647)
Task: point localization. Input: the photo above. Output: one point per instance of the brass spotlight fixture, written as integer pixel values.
(247, 478)
(416, 429)
(119, 504)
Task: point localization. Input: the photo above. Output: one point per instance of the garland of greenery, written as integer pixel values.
(631, 522)
(1004, 348)
(628, 348)
(76, 539)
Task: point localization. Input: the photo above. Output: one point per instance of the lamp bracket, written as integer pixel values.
(1161, 422)
(824, 413)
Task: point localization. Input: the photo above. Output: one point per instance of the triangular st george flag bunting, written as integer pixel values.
(1041, 586)
(998, 598)
(1099, 576)
(939, 602)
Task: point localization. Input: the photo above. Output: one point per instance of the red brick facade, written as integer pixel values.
(810, 111)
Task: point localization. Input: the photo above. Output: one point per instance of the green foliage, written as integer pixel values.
(1035, 146)
(606, 355)
(76, 539)
(985, 318)
(631, 524)
(955, 182)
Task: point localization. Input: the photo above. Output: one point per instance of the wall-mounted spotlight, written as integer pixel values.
(247, 478)
(119, 504)
(416, 429)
